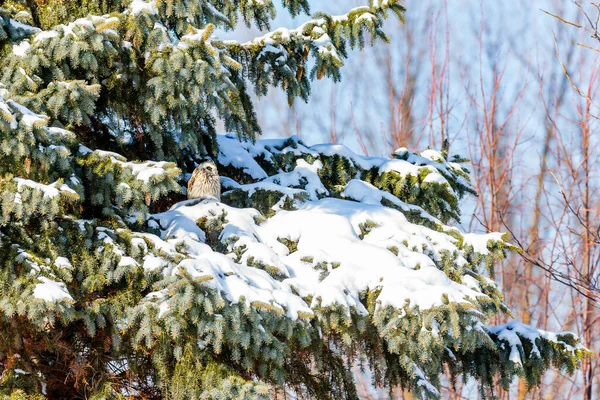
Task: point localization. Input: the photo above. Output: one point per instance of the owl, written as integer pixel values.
(204, 182)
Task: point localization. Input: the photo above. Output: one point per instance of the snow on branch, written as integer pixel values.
(326, 249)
(130, 187)
(314, 233)
(524, 346)
(11, 27)
(428, 188)
(279, 57)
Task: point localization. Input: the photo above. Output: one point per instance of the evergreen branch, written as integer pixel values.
(279, 57)
(33, 8)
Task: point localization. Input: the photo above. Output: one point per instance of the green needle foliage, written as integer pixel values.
(106, 106)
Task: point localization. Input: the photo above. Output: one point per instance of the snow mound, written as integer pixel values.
(329, 261)
(51, 291)
(321, 240)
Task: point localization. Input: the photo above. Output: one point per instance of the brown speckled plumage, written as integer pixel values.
(204, 182)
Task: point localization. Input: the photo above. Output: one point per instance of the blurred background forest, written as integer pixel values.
(514, 89)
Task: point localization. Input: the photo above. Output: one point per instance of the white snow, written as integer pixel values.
(242, 154)
(62, 262)
(21, 48)
(28, 117)
(51, 291)
(364, 192)
(435, 161)
(152, 263)
(180, 222)
(49, 191)
(142, 171)
(232, 152)
(366, 17)
(513, 332)
(328, 232)
(480, 241)
(400, 166)
(19, 371)
(195, 34)
(302, 180)
(45, 35)
(342, 247)
(363, 162)
(147, 170)
(127, 262)
(86, 24)
(60, 132)
(303, 172)
(138, 6)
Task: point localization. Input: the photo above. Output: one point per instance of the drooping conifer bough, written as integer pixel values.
(316, 265)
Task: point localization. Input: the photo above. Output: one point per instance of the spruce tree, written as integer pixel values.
(315, 261)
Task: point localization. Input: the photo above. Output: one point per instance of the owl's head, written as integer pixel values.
(208, 166)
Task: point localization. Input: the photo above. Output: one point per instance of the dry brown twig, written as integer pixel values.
(593, 30)
(584, 285)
